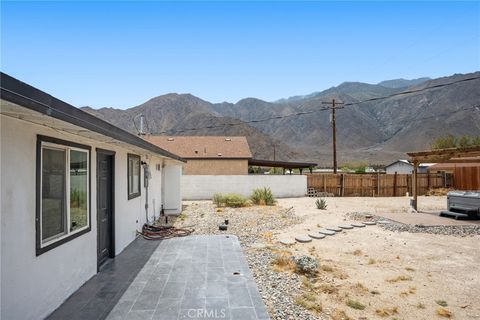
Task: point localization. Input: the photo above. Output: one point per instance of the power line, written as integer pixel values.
(296, 114)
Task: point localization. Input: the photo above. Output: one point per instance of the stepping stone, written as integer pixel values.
(316, 235)
(336, 229)
(287, 242)
(303, 239)
(370, 223)
(358, 225)
(346, 226)
(326, 232)
(383, 222)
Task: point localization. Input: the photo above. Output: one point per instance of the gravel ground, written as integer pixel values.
(254, 227)
(459, 231)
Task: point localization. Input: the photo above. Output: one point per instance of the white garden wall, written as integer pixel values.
(204, 187)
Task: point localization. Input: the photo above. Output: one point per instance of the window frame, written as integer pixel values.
(132, 195)
(53, 242)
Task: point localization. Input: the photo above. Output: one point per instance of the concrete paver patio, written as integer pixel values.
(195, 277)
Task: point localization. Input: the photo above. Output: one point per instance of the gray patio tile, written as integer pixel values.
(215, 274)
(174, 290)
(120, 311)
(196, 289)
(139, 315)
(167, 309)
(243, 314)
(147, 300)
(156, 284)
(193, 302)
(239, 297)
(216, 289)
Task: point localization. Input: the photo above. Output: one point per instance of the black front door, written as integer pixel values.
(105, 214)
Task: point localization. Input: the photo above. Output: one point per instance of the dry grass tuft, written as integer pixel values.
(357, 252)
(328, 288)
(420, 305)
(307, 283)
(283, 262)
(268, 236)
(326, 268)
(309, 301)
(360, 287)
(411, 290)
(340, 275)
(400, 278)
(385, 312)
(354, 304)
(372, 261)
(409, 269)
(442, 312)
(339, 314)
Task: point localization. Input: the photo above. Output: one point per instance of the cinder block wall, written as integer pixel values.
(197, 187)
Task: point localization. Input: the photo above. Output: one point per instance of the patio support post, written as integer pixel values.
(415, 185)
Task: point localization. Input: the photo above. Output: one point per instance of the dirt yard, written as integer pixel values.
(398, 275)
(365, 273)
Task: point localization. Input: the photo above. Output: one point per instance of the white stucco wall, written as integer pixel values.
(32, 287)
(204, 187)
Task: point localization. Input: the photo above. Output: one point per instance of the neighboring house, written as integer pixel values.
(72, 196)
(208, 155)
(405, 167)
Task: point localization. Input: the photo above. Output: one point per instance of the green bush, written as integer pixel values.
(218, 199)
(229, 200)
(263, 196)
(321, 204)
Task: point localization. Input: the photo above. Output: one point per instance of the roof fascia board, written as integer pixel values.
(22, 94)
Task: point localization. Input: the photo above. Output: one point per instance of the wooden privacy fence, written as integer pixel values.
(376, 185)
(467, 178)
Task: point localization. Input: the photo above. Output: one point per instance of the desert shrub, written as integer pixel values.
(229, 200)
(306, 265)
(219, 200)
(263, 196)
(321, 204)
(235, 200)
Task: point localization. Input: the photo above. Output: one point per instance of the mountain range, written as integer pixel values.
(379, 123)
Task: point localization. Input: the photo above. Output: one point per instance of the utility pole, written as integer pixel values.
(333, 107)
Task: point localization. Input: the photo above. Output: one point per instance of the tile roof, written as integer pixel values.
(201, 147)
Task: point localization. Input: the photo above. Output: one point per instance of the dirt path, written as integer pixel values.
(393, 274)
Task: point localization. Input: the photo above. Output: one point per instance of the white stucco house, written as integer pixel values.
(405, 167)
(73, 195)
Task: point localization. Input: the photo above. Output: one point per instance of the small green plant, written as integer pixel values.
(442, 303)
(263, 196)
(321, 204)
(354, 304)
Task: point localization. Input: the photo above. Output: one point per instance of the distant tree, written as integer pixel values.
(444, 142)
(451, 141)
(463, 141)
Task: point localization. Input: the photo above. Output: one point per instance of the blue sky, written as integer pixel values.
(120, 54)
